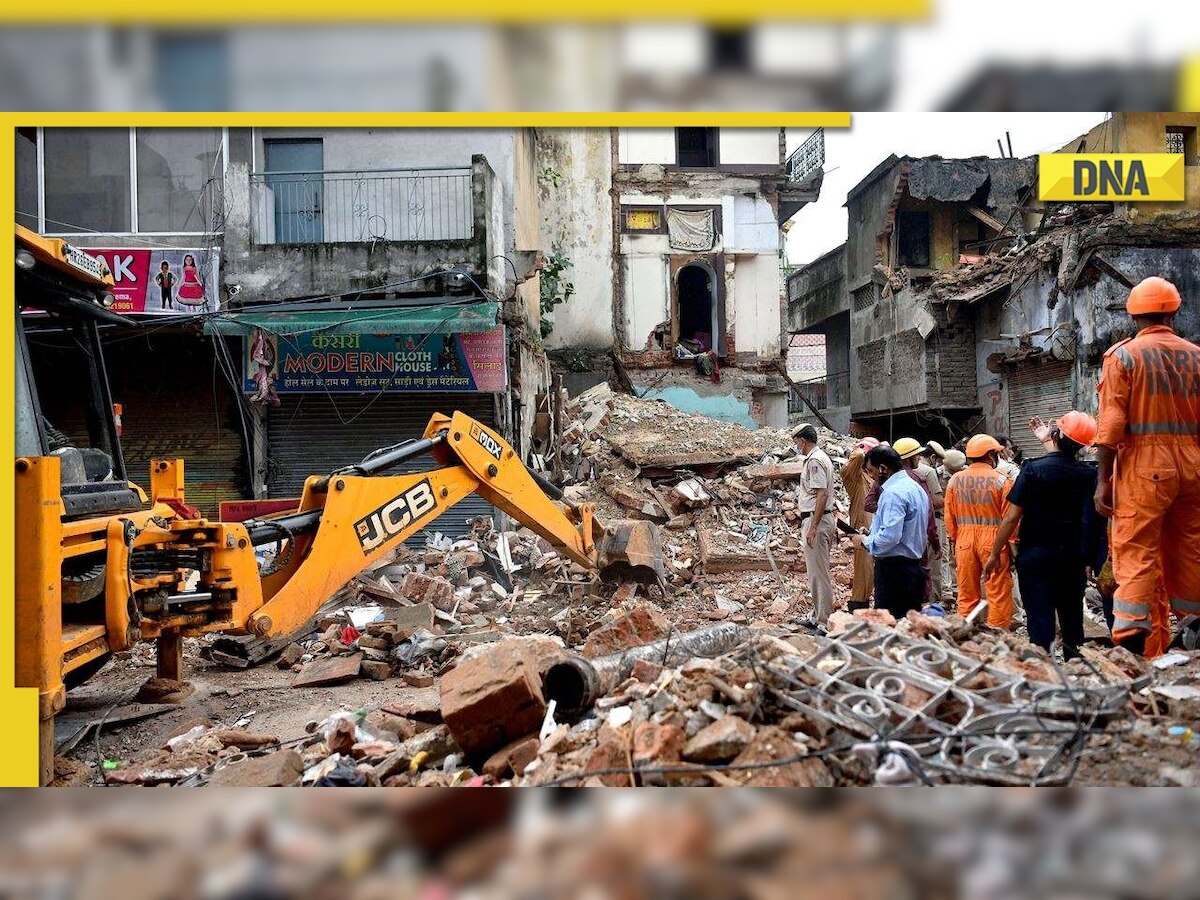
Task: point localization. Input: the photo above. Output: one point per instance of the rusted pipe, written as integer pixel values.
(576, 683)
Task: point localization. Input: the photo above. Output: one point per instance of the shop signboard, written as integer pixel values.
(356, 363)
(163, 281)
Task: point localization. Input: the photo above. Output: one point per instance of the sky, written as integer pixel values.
(850, 154)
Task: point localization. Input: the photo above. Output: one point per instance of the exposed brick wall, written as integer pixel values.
(872, 372)
(908, 358)
(950, 372)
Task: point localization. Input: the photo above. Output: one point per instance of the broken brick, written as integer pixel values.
(642, 624)
(609, 755)
(428, 589)
(645, 671)
(719, 742)
(330, 670)
(374, 643)
(655, 744)
(279, 769)
(376, 670)
(512, 758)
(771, 744)
(492, 699)
(419, 704)
(290, 656)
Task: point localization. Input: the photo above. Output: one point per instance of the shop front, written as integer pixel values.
(336, 387)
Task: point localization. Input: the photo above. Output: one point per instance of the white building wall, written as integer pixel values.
(749, 225)
(756, 317)
(366, 149)
(748, 146)
(646, 296)
(638, 146)
(577, 221)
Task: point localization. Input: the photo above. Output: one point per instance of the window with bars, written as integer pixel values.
(1182, 139)
(864, 297)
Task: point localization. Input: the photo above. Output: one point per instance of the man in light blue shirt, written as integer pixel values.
(898, 534)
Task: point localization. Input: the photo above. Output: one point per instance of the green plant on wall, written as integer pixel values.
(555, 288)
(549, 175)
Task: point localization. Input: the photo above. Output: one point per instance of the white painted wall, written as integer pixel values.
(576, 219)
(749, 225)
(646, 296)
(743, 146)
(754, 315)
(646, 145)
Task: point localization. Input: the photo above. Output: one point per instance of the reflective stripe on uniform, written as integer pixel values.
(1139, 428)
(977, 520)
(1124, 356)
(1187, 607)
(1131, 609)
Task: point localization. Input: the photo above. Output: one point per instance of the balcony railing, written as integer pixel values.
(822, 392)
(361, 206)
(807, 159)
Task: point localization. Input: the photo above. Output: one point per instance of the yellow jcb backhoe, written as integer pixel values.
(102, 564)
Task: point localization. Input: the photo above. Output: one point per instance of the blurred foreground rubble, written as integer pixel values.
(755, 844)
(513, 665)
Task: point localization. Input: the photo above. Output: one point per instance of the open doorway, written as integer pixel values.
(697, 305)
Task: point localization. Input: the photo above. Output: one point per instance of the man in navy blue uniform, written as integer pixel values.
(1061, 534)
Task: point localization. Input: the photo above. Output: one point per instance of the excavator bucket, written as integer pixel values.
(632, 549)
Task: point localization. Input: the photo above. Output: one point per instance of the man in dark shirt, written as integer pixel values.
(1061, 534)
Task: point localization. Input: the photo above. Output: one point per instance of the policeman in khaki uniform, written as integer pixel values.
(814, 502)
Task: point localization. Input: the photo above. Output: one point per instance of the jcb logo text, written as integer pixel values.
(395, 515)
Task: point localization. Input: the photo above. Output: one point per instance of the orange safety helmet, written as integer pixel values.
(1079, 427)
(1153, 295)
(981, 445)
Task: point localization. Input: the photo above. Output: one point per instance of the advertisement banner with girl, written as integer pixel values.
(163, 281)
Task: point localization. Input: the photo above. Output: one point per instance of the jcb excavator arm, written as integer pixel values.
(349, 520)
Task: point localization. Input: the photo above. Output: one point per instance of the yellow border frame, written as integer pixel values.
(19, 706)
(464, 12)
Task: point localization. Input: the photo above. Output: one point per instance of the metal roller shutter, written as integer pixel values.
(313, 434)
(175, 405)
(201, 430)
(1038, 390)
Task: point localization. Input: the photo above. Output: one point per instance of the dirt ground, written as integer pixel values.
(222, 696)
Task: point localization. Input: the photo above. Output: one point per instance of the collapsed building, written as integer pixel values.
(678, 275)
(963, 304)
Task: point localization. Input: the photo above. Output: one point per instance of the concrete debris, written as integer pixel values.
(329, 670)
(495, 659)
(280, 769)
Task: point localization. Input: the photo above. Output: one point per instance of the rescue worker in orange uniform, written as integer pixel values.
(976, 500)
(1149, 443)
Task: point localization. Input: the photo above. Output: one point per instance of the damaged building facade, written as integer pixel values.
(973, 307)
(350, 283)
(682, 282)
(420, 246)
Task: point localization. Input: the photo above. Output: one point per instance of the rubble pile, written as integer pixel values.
(503, 661)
